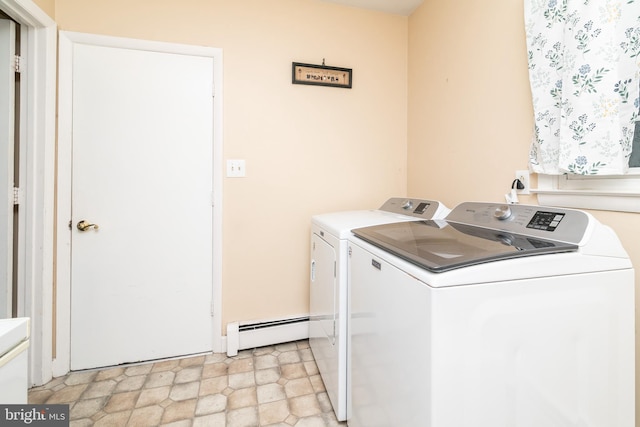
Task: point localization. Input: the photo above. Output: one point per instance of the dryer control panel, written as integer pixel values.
(420, 208)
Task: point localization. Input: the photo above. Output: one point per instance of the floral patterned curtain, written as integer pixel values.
(584, 69)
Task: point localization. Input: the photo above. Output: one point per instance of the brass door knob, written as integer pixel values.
(85, 225)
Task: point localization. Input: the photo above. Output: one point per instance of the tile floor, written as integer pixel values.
(276, 386)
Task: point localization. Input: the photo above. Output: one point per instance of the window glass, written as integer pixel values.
(634, 160)
(604, 192)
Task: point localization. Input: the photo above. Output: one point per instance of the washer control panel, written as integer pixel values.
(565, 225)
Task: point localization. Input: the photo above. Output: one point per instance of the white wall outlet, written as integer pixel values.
(524, 177)
(236, 168)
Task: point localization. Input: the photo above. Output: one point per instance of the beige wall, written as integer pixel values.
(48, 6)
(308, 149)
(470, 114)
(469, 100)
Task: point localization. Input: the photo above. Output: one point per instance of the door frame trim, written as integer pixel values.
(7, 133)
(35, 267)
(62, 363)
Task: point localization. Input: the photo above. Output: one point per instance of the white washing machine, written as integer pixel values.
(498, 316)
(328, 330)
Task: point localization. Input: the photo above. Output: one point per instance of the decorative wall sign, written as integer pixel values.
(321, 75)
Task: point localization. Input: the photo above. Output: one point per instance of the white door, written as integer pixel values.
(142, 275)
(7, 118)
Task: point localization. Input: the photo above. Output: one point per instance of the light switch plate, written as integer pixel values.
(236, 168)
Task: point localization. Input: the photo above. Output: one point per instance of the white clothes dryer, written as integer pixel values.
(329, 294)
(497, 316)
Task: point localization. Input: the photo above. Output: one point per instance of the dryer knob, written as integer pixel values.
(407, 204)
(503, 212)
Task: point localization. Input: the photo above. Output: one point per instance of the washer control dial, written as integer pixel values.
(407, 204)
(503, 212)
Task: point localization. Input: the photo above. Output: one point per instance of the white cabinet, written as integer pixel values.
(14, 342)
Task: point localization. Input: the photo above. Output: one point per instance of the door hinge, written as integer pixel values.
(18, 63)
(17, 196)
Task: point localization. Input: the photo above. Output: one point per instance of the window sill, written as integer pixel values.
(600, 199)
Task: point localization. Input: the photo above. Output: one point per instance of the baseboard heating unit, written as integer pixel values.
(243, 335)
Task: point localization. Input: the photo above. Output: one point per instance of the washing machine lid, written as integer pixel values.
(441, 245)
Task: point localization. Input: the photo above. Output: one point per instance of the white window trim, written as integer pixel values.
(610, 193)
